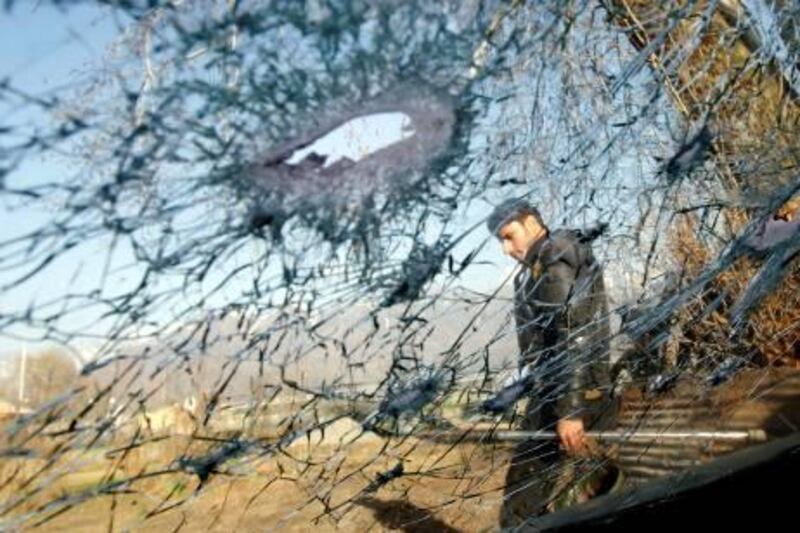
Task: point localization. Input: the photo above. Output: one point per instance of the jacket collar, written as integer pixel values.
(532, 255)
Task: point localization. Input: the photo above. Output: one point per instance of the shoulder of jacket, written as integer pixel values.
(562, 245)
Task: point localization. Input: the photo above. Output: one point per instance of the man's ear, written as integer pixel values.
(530, 224)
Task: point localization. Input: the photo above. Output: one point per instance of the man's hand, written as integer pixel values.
(572, 435)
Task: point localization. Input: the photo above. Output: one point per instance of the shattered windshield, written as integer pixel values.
(369, 264)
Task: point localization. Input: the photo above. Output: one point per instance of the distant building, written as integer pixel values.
(9, 411)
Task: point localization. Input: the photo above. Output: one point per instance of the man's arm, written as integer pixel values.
(564, 337)
(557, 295)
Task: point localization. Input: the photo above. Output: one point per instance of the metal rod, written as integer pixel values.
(748, 435)
(751, 435)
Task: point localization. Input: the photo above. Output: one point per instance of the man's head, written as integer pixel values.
(518, 225)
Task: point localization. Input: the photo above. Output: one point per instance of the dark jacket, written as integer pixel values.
(562, 323)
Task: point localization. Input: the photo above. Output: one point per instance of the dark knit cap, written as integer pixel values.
(510, 210)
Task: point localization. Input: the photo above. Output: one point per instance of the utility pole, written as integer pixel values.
(21, 387)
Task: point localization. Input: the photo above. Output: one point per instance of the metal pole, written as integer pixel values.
(478, 435)
(751, 435)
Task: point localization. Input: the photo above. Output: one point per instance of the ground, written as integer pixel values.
(320, 484)
(444, 488)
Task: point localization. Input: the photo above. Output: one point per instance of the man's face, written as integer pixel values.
(519, 235)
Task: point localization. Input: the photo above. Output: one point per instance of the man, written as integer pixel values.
(562, 332)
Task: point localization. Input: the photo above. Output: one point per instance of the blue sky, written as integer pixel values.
(47, 51)
(42, 47)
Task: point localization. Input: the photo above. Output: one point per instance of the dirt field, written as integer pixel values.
(320, 484)
(443, 488)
